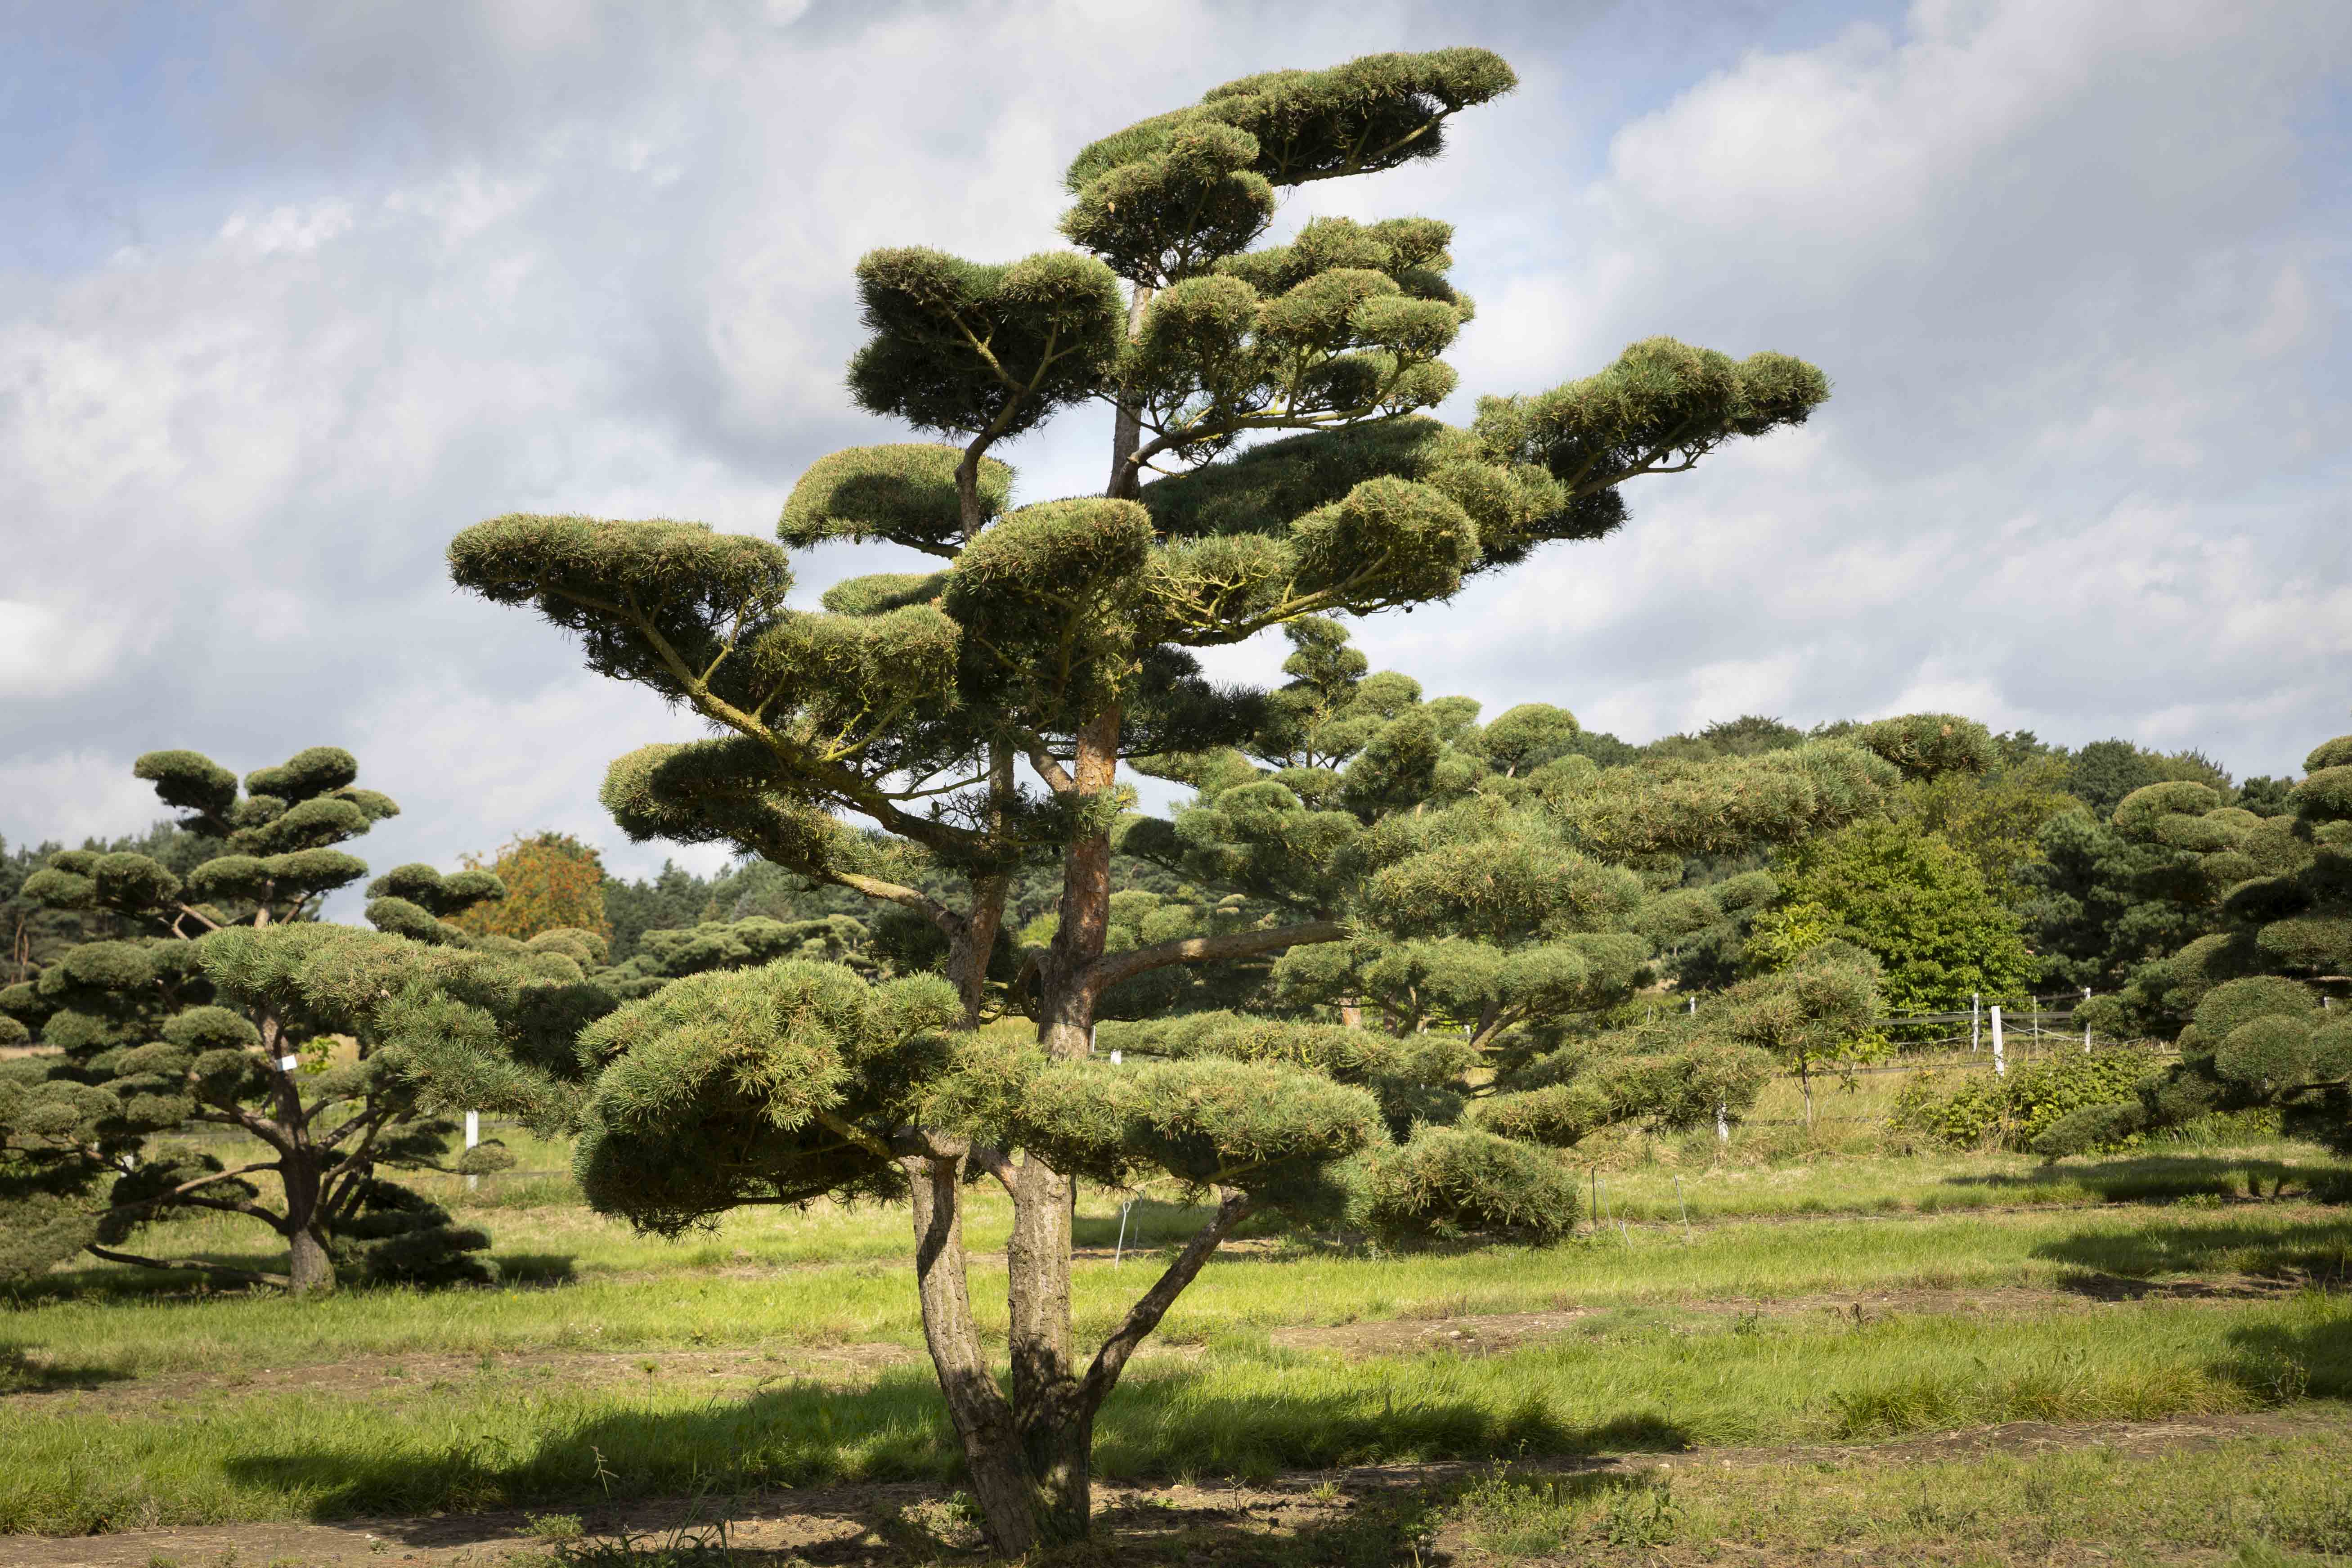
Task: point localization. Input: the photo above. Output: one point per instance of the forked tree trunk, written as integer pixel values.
(1031, 1456)
(983, 1422)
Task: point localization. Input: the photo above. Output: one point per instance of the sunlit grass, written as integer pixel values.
(871, 1299)
(496, 1437)
(165, 1402)
(2258, 1495)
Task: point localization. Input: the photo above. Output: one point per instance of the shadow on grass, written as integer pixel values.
(95, 1281)
(2160, 1179)
(2127, 1263)
(2280, 1362)
(922, 1526)
(22, 1373)
(895, 1430)
(535, 1267)
(167, 1286)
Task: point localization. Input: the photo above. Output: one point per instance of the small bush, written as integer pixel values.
(1983, 1111)
(1967, 1115)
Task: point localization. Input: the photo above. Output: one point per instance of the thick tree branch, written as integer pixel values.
(188, 1265)
(1145, 1315)
(1114, 967)
(180, 1192)
(851, 1134)
(1057, 777)
(997, 1164)
(922, 903)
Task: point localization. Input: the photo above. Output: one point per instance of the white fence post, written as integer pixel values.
(2000, 1058)
(1976, 1021)
(2086, 1025)
(473, 1140)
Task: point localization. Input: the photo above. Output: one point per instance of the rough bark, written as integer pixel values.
(970, 943)
(311, 1272)
(983, 1422)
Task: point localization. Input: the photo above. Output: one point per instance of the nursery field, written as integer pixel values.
(1814, 1343)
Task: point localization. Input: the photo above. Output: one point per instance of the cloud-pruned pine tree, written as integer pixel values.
(1504, 900)
(666, 955)
(2262, 1007)
(1270, 458)
(224, 1012)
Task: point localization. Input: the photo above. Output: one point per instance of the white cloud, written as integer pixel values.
(2069, 268)
(53, 650)
(2075, 268)
(87, 793)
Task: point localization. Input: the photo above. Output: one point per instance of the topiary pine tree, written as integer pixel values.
(664, 955)
(2262, 1007)
(1506, 898)
(206, 1019)
(2097, 906)
(1057, 634)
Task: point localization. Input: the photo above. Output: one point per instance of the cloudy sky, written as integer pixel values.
(290, 292)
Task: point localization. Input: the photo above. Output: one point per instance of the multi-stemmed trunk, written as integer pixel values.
(1030, 1457)
(1030, 1454)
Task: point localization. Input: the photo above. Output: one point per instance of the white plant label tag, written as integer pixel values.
(288, 1064)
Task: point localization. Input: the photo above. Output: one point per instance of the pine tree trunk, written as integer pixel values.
(1057, 1459)
(1065, 1024)
(311, 1271)
(1126, 426)
(969, 949)
(994, 1451)
(1031, 1460)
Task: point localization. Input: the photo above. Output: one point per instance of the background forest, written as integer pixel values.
(2039, 883)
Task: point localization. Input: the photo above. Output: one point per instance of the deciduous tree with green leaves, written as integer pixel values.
(1898, 891)
(1270, 457)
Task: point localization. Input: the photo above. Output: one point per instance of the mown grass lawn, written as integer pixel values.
(783, 1348)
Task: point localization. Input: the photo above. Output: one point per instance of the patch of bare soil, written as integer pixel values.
(890, 1526)
(715, 1371)
(1486, 1334)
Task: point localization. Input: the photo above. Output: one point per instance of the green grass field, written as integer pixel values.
(1822, 1297)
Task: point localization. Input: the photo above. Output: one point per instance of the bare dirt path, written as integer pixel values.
(1487, 1333)
(885, 1525)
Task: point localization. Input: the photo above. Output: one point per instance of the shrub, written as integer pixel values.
(1983, 1111)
